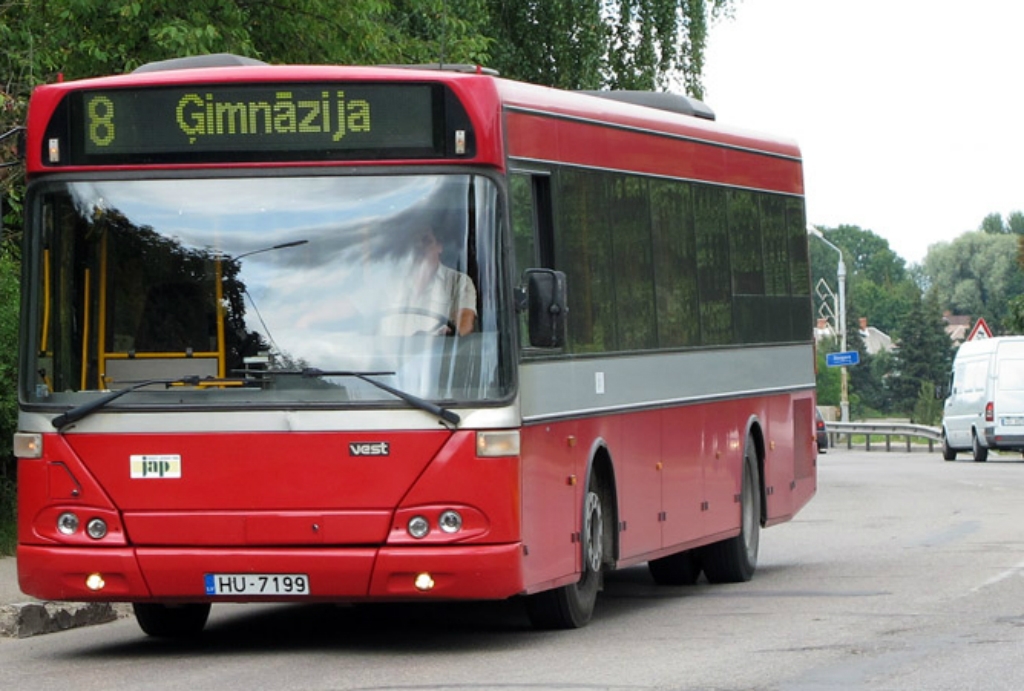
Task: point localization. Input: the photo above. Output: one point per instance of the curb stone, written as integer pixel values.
(27, 619)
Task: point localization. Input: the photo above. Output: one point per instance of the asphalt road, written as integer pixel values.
(904, 573)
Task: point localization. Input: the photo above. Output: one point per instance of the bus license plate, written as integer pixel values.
(257, 584)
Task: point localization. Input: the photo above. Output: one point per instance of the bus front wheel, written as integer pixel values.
(171, 621)
(572, 606)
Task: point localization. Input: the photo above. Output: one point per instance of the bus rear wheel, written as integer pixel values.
(735, 560)
(171, 621)
(572, 606)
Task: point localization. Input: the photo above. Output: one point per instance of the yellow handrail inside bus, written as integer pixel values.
(219, 294)
(85, 331)
(101, 340)
(44, 338)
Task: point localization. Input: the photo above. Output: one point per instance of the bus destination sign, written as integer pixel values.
(257, 122)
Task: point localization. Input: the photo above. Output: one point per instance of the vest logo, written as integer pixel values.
(369, 448)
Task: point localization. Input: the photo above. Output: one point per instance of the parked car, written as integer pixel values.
(819, 424)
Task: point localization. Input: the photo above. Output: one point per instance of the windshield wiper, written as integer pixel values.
(79, 412)
(415, 401)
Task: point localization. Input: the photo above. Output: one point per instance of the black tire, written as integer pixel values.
(171, 621)
(979, 452)
(735, 560)
(682, 568)
(948, 452)
(572, 606)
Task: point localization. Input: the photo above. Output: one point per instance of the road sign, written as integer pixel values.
(980, 331)
(850, 357)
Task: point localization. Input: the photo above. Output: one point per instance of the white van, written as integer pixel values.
(985, 408)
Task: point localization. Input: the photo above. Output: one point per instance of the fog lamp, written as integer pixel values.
(424, 582)
(96, 528)
(418, 527)
(94, 581)
(67, 523)
(450, 522)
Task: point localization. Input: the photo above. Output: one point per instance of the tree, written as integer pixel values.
(928, 409)
(616, 44)
(827, 380)
(992, 224)
(560, 43)
(1015, 223)
(878, 282)
(976, 274)
(924, 356)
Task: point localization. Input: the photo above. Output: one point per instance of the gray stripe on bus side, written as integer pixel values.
(572, 387)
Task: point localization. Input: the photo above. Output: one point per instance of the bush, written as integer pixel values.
(8, 517)
(10, 271)
(928, 408)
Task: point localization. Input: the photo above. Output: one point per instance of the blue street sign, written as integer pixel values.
(850, 357)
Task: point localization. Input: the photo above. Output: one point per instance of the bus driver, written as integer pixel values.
(436, 299)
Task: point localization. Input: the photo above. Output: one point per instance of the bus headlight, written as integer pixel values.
(27, 445)
(497, 444)
(450, 522)
(96, 528)
(418, 527)
(67, 523)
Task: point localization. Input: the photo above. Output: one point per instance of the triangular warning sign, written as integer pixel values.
(980, 331)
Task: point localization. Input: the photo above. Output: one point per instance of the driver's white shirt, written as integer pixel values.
(447, 294)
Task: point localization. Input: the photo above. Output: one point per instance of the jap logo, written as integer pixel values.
(369, 448)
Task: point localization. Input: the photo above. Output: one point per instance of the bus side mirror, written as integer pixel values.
(546, 307)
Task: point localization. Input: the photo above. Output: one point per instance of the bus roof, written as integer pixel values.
(485, 97)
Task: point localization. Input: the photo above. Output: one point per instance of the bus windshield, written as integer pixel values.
(234, 285)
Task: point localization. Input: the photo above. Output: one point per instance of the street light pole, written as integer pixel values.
(844, 400)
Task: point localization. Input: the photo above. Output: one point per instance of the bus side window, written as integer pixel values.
(532, 235)
(532, 225)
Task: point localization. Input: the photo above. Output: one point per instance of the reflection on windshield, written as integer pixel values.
(225, 278)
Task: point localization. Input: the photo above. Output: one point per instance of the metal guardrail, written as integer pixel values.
(908, 431)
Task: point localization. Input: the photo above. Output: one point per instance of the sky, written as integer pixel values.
(909, 113)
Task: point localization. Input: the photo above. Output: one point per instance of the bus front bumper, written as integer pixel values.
(486, 572)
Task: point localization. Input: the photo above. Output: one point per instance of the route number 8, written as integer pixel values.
(101, 120)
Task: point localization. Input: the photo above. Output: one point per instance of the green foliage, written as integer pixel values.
(1015, 223)
(878, 285)
(925, 354)
(9, 301)
(8, 516)
(528, 36)
(928, 408)
(828, 378)
(976, 274)
(993, 224)
(591, 44)
(10, 293)
(1014, 322)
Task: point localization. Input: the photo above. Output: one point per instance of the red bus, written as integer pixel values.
(320, 333)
